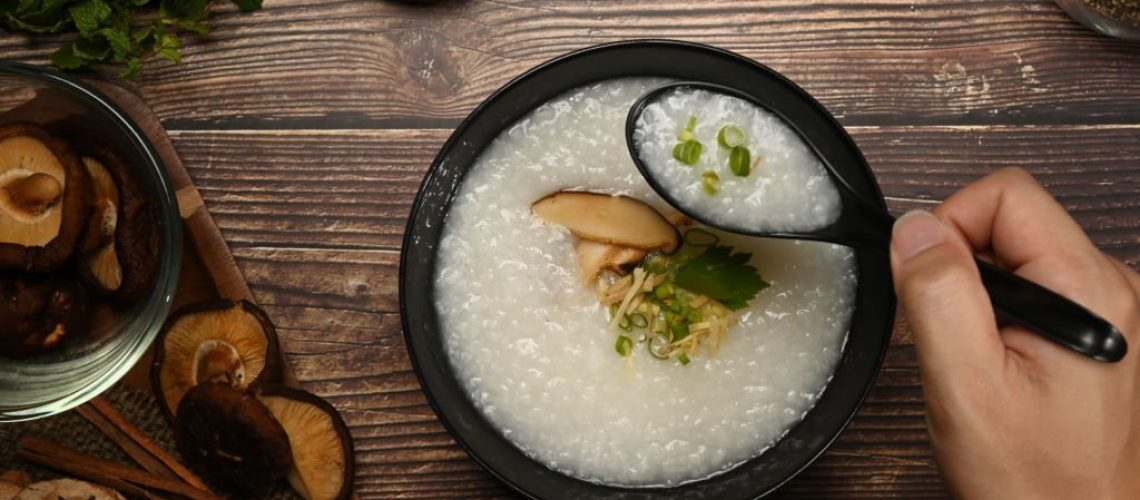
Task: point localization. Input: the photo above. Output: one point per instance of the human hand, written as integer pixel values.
(1011, 414)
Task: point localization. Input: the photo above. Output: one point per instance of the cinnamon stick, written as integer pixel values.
(101, 471)
(137, 453)
(151, 455)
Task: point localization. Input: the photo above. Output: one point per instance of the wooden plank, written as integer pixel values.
(338, 64)
(353, 189)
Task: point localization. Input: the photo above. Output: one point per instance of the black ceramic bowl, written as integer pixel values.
(870, 327)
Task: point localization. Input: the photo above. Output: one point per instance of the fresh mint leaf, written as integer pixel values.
(132, 68)
(120, 41)
(168, 47)
(89, 15)
(122, 32)
(722, 275)
(65, 57)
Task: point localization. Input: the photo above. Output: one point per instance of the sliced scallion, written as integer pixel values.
(740, 161)
(690, 130)
(658, 346)
(731, 136)
(688, 152)
(624, 346)
(625, 324)
(683, 358)
(638, 320)
(710, 182)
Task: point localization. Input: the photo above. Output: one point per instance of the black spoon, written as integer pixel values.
(866, 226)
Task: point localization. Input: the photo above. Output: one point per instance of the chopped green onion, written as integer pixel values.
(731, 136)
(683, 358)
(693, 316)
(700, 238)
(710, 182)
(690, 130)
(740, 161)
(655, 264)
(678, 330)
(688, 152)
(658, 346)
(638, 320)
(625, 323)
(663, 291)
(624, 346)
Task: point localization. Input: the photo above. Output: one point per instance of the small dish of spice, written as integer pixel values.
(1118, 18)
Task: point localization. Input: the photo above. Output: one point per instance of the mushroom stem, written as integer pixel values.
(35, 193)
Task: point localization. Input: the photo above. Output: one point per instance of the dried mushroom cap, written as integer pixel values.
(67, 489)
(232, 440)
(37, 315)
(120, 248)
(44, 200)
(323, 466)
(216, 341)
(100, 229)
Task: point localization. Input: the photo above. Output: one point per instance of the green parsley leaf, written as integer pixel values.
(722, 275)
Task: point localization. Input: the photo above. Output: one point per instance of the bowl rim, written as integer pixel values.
(153, 309)
(416, 355)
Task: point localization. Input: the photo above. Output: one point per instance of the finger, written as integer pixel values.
(1011, 213)
(941, 292)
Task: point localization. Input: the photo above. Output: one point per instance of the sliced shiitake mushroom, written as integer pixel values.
(120, 247)
(594, 257)
(216, 341)
(614, 220)
(323, 466)
(231, 439)
(38, 314)
(44, 200)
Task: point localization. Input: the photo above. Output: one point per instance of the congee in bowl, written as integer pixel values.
(580, 337)
(538, 351)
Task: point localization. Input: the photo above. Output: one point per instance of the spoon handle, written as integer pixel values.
(1047, 313)
(1013, 297)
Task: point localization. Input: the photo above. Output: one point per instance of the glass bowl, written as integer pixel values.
(61, 379)
(1100, 20)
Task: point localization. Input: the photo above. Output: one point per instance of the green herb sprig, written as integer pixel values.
(120, 33)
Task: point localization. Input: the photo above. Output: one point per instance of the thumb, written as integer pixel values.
(942, 295)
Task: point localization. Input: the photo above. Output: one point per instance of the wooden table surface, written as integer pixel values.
(309, 124)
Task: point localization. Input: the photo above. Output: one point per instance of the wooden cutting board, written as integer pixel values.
(208, 268)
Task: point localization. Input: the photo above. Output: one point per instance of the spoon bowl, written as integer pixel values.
(864, 225)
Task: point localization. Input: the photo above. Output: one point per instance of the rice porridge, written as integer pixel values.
(534, 348)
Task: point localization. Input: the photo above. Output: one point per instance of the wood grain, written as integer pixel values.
(307, 127)
(372, 64)
(353, 189)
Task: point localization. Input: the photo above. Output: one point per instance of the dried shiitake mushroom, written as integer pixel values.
(120, 246)
(323, 467)
(231, 439)
(37, 314)
(216, 341)
(613, 220)
(44, 200)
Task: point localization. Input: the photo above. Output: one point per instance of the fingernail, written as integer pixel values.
(915, 232)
